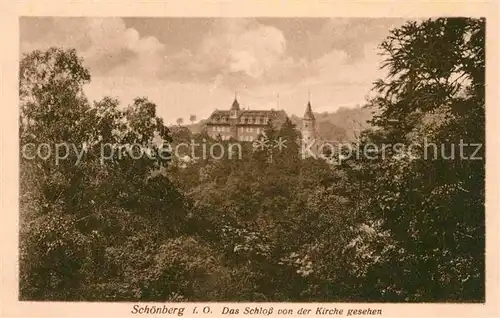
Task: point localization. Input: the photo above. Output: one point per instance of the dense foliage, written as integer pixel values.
(270, 226)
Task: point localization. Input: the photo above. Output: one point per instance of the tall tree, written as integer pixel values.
(81, 214)
(432, 203)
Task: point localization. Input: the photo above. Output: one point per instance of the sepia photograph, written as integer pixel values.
(252, 159)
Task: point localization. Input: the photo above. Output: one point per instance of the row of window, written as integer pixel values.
(250, 129)
(240, 138)
(241, 129)
(245, 120)
(246, 138)
(255, 120)
(221, 128)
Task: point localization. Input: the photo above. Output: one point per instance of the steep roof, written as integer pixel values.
(236, 105)
(309, 113)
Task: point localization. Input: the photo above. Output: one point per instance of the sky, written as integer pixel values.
(192, 66)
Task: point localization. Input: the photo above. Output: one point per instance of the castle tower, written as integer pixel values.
(235, 108)
(308, 125)
(234, 113)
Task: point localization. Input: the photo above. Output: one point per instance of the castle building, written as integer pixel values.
(246, 125)
(242, 124)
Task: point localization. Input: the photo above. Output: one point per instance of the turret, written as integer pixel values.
(235, 108)
(308, 125)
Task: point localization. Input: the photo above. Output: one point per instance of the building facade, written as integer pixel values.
(246, 125)
(242, 124)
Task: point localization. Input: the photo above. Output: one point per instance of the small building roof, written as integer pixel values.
(247, 117)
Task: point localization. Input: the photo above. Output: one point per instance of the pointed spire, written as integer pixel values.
(236, 105)
(309, 113)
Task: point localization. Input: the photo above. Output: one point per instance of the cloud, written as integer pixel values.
(244, 56)
(258, 60)
(239, 47)
(106, 44)
(351, 35)
(257, 50)
(241, 54)
(336, 67)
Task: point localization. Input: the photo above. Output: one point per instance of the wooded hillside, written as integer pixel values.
(402, 227)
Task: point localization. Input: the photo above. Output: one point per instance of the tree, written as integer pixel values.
(434, 92)
(81, 214)
(192, 118)
(52, 249)
(331, 132)
(126, 224)
(179, 121)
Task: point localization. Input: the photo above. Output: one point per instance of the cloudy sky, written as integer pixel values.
(195, 65)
